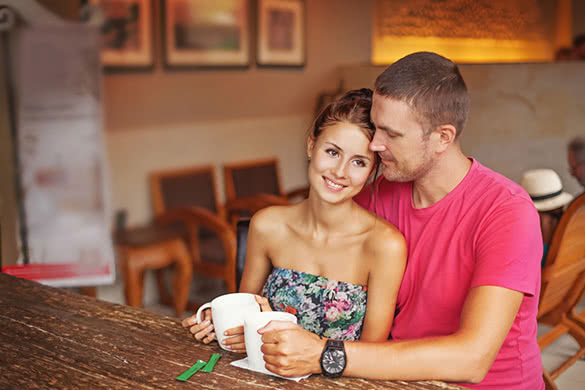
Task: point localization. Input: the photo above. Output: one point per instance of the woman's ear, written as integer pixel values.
(310, 146)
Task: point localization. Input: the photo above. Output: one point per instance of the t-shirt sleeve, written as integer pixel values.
(508, 248)
(365, 198)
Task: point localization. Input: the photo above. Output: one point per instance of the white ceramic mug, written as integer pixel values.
(228, 311)
(253, 322)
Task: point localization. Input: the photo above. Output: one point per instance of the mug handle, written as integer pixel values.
(200, 310)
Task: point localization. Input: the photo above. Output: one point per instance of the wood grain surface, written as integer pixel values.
(55, 339)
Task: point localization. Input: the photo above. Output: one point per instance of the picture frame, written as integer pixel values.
(200, 33)
(126, 31)
(281, 37)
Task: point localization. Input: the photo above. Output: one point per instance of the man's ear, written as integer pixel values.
(445, 135)
(310, 145)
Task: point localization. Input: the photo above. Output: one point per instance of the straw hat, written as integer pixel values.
(545, 188)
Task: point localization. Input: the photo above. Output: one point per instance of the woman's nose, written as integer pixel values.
(339, 170)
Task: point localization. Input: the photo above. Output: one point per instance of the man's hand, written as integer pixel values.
(289, 350)
(201, 332)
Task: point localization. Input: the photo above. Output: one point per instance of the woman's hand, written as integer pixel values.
(201, 332)
(236, 342)
(263, 302)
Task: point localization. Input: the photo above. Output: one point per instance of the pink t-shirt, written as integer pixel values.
(486, 232)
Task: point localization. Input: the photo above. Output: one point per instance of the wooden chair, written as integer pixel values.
(245, 181)
(250, 178)
(563, 285)
(243, 226)
(245, 207)
(189, 196)
(150, 247)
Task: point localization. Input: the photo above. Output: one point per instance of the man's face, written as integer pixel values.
(399, 140)
(576, 167)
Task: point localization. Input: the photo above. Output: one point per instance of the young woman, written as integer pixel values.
(322, 259)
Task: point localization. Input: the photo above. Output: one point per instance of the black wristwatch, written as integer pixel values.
(333, 359)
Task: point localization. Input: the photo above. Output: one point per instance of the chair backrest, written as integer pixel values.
(252, 178)
(563, 276)
(242, 228)
(177, 188)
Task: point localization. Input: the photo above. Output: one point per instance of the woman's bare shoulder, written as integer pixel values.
(384, 239)
(272, 219)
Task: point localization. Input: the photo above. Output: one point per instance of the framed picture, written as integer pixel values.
(203, 33)
(281, 33)
(126, 33)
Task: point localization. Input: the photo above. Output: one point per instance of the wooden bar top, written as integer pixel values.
(55, 339)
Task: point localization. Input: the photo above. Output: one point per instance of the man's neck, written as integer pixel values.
(442, 178)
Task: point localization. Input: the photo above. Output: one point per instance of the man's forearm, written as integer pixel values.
(441, 358)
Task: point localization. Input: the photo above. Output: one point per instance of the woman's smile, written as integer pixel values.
(333, 185)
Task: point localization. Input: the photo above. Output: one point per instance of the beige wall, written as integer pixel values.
(166, 119)
(133, 154)
(522, 115)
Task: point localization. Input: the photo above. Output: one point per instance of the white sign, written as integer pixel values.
(61, 154)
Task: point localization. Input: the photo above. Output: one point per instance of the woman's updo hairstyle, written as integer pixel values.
(351, 107)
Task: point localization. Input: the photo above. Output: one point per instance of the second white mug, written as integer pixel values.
(253, 322)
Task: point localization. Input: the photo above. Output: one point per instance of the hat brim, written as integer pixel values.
(560, 200)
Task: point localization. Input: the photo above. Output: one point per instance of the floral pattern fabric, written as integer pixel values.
(323, 306)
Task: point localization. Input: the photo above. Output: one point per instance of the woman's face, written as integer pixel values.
(340, 162)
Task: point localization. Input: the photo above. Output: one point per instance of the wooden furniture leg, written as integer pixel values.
(133, 279)
(163, 292)
(88, 291)
(182, 276)
(549, 383)
(157, 256)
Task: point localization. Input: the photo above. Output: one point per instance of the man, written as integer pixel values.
(576, 159)
(466, 310)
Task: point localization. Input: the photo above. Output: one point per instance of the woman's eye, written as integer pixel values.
(332, 152)
(359, 163)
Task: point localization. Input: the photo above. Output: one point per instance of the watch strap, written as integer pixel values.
(333, 345)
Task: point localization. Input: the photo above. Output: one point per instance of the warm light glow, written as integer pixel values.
(386, 50)
(470, 31)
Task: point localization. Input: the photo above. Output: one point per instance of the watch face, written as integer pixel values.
(334, 361)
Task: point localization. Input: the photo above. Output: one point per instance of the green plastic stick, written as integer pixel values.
(187, 374)
(212, 360)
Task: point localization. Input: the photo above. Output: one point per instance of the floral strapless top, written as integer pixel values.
(326, 307)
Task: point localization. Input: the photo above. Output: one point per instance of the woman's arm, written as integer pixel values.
(386, 253)
(258, 265)
(256, 268)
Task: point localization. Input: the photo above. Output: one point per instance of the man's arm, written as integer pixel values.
(464, 356)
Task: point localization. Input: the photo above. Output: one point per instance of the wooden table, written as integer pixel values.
(56, 339)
